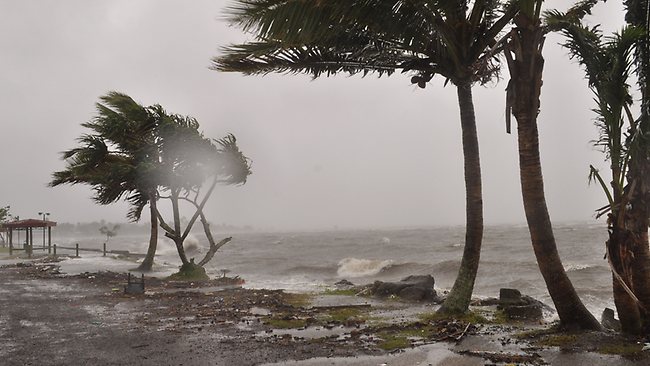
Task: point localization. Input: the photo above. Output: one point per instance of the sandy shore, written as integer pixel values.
(51, 319)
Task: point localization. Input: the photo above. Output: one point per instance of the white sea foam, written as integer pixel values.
(571, 267)
(353, 267)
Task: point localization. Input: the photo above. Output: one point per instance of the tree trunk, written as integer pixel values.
(526, 64)
(178, 237)
(620, 258)
(638, 221)
(460, 295)
(147, 263)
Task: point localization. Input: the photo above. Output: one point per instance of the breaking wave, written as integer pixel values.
(354, 267)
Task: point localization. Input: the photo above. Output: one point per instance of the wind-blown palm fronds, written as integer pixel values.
(324, 38)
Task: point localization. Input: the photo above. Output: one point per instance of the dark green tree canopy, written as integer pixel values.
(369, 36)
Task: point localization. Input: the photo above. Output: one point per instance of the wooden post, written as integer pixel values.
(49, 239)
(30, 242)
(104, 249)
(76, 246)
(11, 241)
(54, 249)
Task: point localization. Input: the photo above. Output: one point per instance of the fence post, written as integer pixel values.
(11, 247)
(104, 249)
(54, 249)
(76, 246)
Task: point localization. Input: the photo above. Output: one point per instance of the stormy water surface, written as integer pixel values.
(308, 261)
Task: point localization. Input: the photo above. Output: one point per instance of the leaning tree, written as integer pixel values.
(523, 52)
(422, 38)
(116, 159)
(188, 163)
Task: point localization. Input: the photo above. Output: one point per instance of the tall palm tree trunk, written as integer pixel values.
(618, 249)
(526, 65)
(639, 214)
(571, 310)
(147, 263)
(460, 295)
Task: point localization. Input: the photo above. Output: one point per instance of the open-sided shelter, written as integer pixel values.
(14, 228)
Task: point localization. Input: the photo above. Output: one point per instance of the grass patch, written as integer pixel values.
(297, 300)
(345, 316)
(4, 250)
(190, 272)
(559, 340)
(392, 342)
(281, 323)
(621, 349)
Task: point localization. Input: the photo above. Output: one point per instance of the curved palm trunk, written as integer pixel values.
(619, 256)
(638, 217)
(526, 64)
(460, 295)
(147, 263)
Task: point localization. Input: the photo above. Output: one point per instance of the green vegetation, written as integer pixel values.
(558, 340)
(285, 323)
(190, 272)
(145, 154)
(344, 315)
(621, 348)
(297, 300)
(392, 342)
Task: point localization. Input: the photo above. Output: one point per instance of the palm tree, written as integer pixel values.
(116, 160)
(526, 64)
(638, 15)
(607, 64)
(187, 161)
(423, 38)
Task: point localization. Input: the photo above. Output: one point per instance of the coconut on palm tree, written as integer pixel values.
(421, 38)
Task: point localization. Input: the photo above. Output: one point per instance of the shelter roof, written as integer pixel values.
(28, 223)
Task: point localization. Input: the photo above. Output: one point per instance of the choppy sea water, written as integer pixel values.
(307, 261)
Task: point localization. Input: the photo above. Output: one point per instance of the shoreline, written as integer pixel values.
(51, 318)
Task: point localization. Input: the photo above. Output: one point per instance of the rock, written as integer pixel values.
(345, 284)
(609, 321)
(414, 288)
(520, 307)
(510, 296)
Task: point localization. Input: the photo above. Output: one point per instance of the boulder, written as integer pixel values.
(520, 307)
(510, 296)
(344, 284)
(609, 321)
(413, 288)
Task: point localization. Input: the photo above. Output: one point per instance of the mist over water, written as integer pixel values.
(311, 261)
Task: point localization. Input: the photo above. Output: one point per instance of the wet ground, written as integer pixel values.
(47, 318)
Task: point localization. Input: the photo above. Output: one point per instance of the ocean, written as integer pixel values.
(315, 260)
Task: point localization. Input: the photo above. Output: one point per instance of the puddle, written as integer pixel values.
(428, 355)
(308, 333)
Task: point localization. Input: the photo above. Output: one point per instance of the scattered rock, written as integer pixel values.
(413, 288)
(518, 306)
(609, 321)
(344, 284)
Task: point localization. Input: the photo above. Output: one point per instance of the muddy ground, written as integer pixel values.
(47, 318)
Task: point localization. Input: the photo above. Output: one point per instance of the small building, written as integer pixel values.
(13, 230)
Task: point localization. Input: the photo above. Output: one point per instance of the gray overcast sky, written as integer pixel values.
(344, 151)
